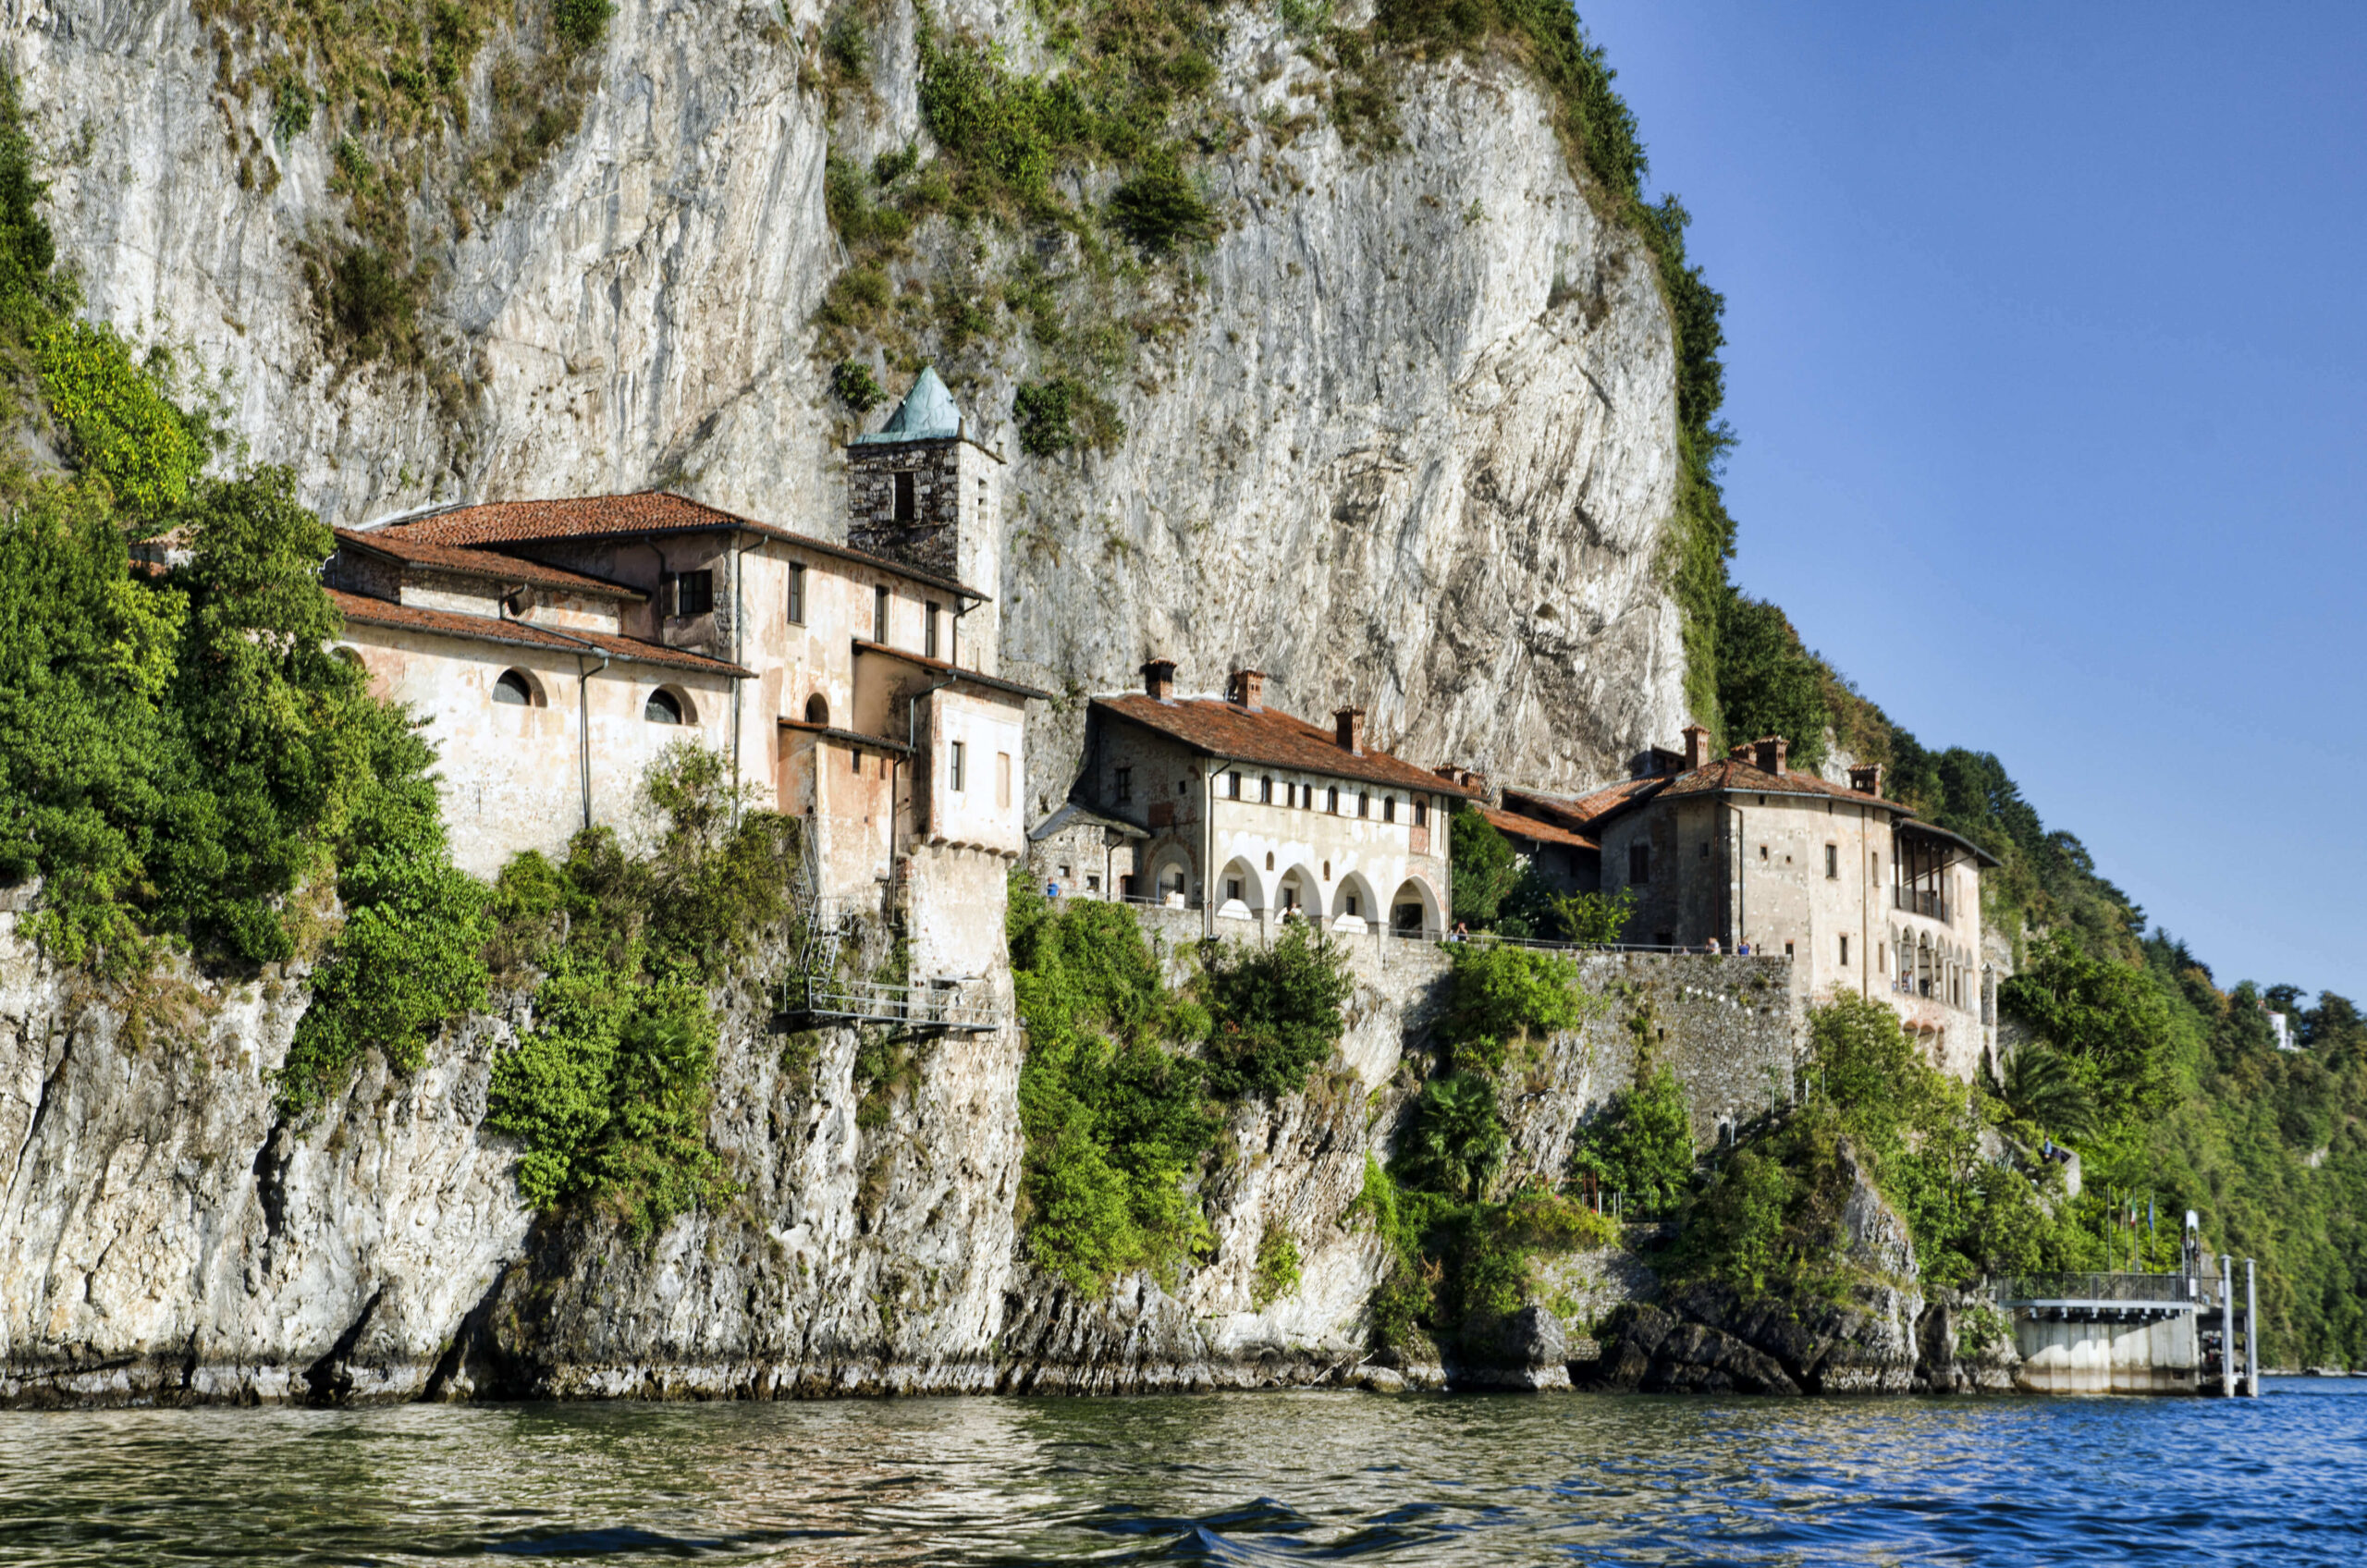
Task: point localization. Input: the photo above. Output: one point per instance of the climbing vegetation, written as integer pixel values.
(1127, 1082)
(1462, 1246)
(1640, 1145)
(610, 1089)
(1075, 195)
(391, 80)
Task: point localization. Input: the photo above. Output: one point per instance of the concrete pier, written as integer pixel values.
(2134, 1333)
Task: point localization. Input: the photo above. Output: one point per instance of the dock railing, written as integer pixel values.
(2135, 1289)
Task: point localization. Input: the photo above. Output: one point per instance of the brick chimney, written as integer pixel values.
(1767, 755)
(1348, 728)
(1248, 689)
(1696, 747)
(1158, 680)
(1867, 779)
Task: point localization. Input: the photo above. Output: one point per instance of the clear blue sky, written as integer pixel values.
(2045, 345)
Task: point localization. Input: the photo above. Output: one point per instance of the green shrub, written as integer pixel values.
(1160, 208)
(1274, 1011)
(1060, 412)
(125, 431)
(611, 1088)
(1642, 1144)
(30, 289)
(852, 383)
(372, 303)
(1483, 866)
(1535, 907)
(1116, 1125)
(582, 23)
(1277, 1271)
(1499, 995)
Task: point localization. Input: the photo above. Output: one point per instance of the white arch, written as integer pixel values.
(1252, 891)
(1416, 890)
(1298, 889)
(1171, 864)
(1354, 888)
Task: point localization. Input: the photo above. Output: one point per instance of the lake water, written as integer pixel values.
(1248, 1478)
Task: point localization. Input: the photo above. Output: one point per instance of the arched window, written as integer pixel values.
(515, 689)
(817, 710)
(663, 707)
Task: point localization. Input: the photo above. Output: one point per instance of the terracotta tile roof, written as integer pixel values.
(398, 545)
(495, 524)
(1734, 775)
(1518, 826)
(1577, 812)
(365, 611)
(1270, 736)
(961, 677)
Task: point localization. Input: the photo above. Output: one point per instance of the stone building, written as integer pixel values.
(556, 647)
(1745, 851)
(1249, 814)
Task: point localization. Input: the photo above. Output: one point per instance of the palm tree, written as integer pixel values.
(2042, 1087)
(1458, 1140)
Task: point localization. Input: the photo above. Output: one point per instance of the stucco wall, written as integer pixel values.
(512, 777)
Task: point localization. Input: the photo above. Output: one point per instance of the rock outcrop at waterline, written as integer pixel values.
(1408, 439)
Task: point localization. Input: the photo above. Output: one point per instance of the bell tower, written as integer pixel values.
(923, 492)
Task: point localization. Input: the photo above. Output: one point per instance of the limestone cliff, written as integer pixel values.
(1410, 439)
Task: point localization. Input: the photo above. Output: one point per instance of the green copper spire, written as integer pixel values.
(926, 413)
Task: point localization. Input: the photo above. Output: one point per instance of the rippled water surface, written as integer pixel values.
(1227, 1478)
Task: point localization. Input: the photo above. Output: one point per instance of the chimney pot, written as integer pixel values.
(1696, 747)
(1348, 728)
(1158, 680)
(1769, 754)
(1250, 689)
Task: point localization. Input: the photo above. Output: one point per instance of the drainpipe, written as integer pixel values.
(1865, 908)
(583, 724)
(739, 639)
(1208, 849)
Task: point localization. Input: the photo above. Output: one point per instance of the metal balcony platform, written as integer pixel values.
(938, 1009)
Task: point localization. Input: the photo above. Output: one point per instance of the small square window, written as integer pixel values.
(1232, 890)
(694, 593)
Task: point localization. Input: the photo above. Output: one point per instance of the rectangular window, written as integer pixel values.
(1232, 890)
(1639, 864)
(694, 593)
(1845, 952)
(1705, 849)
(906, 509)
(1331, 800)
(1353, 910)
(958, 756)
(880, 615)
(1265, 791)
(1388, 808)
(1421, 812)
(796, 596)
(1364, 803)
(1232, 786)
(1788, 949)
(928, 632)
(1002, 778)
(855, 758)
(1093, 882)
(1832, 862)
(1124, 788)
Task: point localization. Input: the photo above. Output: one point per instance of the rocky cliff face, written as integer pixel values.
(1410, 443)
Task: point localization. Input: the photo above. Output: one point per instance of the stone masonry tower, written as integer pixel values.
(921, 492)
